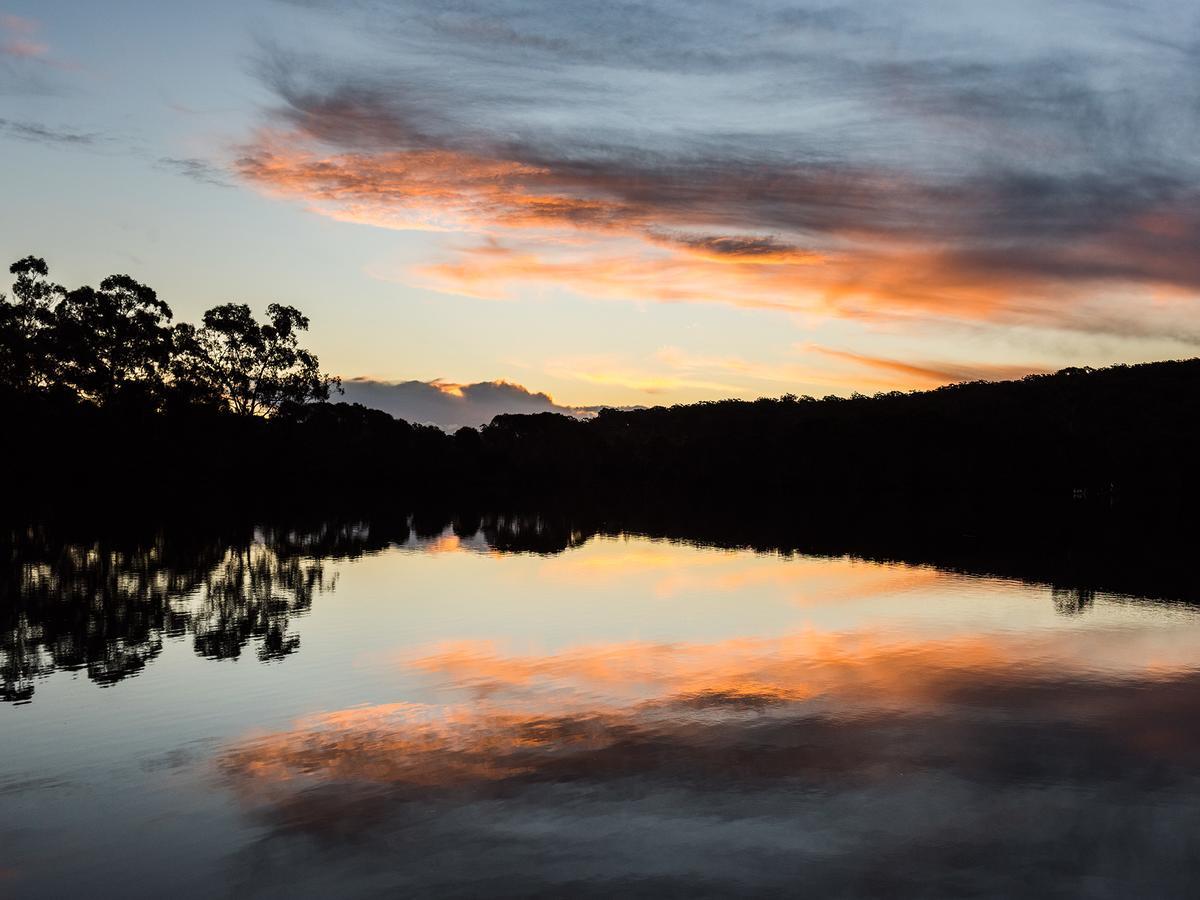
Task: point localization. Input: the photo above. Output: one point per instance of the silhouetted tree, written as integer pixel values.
(113, 340)
(25, 322)
(253, 368)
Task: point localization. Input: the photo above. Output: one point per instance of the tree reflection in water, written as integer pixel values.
(250, 596)
(107, 606)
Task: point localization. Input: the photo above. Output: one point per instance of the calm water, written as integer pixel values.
(333, 713)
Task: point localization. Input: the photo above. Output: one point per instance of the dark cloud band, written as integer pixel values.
(949, 159)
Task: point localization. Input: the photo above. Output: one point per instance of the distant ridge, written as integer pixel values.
(1106, 444)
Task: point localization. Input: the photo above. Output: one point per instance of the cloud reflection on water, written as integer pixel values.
(745, 764)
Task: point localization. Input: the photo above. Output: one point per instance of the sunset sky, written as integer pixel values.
(631, 202)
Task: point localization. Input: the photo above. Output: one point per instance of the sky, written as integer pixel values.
(527, 204)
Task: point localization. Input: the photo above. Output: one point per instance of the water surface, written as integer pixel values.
(288, 713)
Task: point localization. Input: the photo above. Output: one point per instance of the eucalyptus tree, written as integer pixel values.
(253, 368)
(113, 341)
(26, 321)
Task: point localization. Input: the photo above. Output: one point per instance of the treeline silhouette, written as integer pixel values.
(105, 397)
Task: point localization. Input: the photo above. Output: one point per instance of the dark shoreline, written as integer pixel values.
(1079, 552)
(1083, 479)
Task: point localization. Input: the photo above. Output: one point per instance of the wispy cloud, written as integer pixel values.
(197, 170)
(44, 134)
(865, 160)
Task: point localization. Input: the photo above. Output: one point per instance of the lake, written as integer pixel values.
(489, 708)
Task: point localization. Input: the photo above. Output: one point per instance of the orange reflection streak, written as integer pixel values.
(675, 571)
(531, 714)
(796, 666)
(446, 543)
(847, 581)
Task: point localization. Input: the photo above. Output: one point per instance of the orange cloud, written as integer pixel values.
(932, 373)
(624, 269)
(850, 243)
(634, 249)
(673, 369)
(447, 387)
(419, 189)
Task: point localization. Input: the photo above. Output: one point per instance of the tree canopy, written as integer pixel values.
(113, 340)
(25, 324)
(254, 368)
(118, 342)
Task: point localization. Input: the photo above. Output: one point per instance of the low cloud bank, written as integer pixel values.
(452, 405)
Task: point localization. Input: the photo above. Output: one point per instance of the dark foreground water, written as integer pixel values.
(327, 713)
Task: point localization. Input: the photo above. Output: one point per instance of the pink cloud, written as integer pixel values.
(18, 24)
(19, 37)
(19, 40)
(25, 49)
